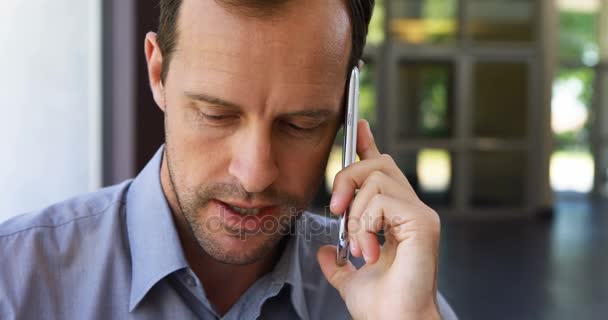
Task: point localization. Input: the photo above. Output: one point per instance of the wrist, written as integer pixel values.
(431, 313)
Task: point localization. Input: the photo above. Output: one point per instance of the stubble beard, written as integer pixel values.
(209, 232)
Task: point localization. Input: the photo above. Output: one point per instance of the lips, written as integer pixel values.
(252, 220)
(245, 211)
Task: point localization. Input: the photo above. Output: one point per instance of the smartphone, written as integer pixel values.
(349, 153)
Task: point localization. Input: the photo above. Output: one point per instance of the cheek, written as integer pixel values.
(196, 155)
(302, 170)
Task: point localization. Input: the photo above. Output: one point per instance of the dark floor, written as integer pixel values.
(534, 269)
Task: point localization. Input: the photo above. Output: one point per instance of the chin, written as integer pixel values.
(238, 249)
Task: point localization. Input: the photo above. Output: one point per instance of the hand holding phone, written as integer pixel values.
(409, 258)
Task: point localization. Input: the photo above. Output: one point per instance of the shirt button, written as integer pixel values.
(190, 281)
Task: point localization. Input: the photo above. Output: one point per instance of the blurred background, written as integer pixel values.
(496, 110)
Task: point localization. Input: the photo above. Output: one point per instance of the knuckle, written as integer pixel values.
(387, 159)
(353, 225)
(377, 223)
(376, 201)
(362, 223)
(432, 219)
(386, 156)
(374, 179)
(435, 220)
(376, 176)
(355, 209)
(340, 176)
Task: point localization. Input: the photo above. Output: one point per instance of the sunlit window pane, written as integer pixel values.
(570, 112)
(572, 171)
(429, 171)
(571, 106)
(434, 170)
(50, 102)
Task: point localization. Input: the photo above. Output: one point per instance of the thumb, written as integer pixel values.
(366, 145)
(336, 275)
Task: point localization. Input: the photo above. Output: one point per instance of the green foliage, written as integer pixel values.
(585, 76)
(577, 139)
(578, 33)
(375, 34)
(367, 96)
(434, 102)
(445, 9)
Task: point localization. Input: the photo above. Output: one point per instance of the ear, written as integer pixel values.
(361, 65)
(154, 57)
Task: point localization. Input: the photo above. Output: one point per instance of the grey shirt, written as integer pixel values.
(116, 254)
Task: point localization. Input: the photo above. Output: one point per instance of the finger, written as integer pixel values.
(366, 145)
(376, 183)
(336, 275)
(352, 178)
(366, 235)
(404, 219)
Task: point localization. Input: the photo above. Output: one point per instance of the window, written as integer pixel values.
(578, 57)
(50, 88)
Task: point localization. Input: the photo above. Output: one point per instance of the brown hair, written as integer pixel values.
(360, 11)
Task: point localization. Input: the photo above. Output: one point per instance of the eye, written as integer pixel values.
(302, 129)
(217, 119)
(214, 117)
(299, 128)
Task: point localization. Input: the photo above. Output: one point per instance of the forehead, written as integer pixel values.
(304, 43)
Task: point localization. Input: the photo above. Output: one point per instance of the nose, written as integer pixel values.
(253, 162)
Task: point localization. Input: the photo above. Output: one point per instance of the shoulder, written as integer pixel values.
(51, 254)
(50, 219)
(51, 233)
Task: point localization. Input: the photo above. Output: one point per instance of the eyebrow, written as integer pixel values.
(212, 100)
(316, 114)
(322, 113)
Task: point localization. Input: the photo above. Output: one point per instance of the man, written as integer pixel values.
(252, 92)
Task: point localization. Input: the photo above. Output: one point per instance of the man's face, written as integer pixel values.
(252, 105)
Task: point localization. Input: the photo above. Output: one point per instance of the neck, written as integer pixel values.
(224, 283)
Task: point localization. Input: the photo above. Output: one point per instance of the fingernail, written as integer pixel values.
(369, 129)
(335, 199)
(363, 253)
(353, 246)
(366, 257)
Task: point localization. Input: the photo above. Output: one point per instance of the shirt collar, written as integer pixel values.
(156, 250)
(289, 269)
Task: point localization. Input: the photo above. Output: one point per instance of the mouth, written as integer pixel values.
(247, 210)
(245, 216)
(244, 211)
